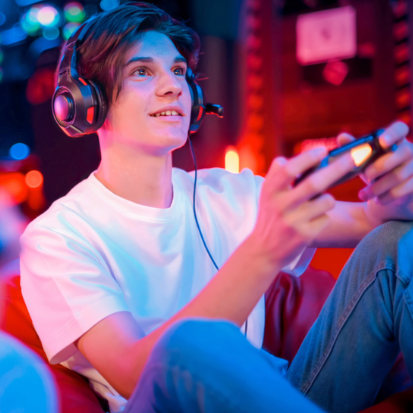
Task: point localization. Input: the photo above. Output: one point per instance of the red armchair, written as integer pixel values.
(292, 306)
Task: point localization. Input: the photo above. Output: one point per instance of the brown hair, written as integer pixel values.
(111, 34)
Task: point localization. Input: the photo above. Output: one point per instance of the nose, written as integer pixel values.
(168, 85)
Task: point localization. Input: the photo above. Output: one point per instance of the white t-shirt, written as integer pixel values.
(94, 253)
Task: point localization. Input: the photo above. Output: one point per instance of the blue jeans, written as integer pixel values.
(208, 366)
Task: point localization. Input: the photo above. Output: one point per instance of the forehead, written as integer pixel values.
(154, 44)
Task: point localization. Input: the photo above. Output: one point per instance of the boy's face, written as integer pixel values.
(153, 82)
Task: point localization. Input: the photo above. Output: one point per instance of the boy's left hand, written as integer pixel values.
(390, 179)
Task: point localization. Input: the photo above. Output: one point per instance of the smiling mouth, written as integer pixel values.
(166, 113)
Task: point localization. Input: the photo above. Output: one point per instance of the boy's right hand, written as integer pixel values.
(289, 219)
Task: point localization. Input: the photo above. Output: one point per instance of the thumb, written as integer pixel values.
(344, 138)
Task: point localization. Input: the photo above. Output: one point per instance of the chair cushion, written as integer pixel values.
(74, 391)
(292, 305)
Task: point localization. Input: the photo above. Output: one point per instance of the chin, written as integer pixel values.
(170, 142)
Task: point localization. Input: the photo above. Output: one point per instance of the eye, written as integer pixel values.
(141, 71)
(179, 71)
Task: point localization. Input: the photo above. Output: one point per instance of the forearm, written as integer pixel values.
(349, 224)
(231, 295)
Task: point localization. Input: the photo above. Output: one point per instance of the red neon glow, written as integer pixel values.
(13, 184)
(40, 86)
(34, 179)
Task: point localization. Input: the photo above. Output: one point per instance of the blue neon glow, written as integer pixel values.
(19, 151)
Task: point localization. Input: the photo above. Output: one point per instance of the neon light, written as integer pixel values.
(19, 151)
(361, 154)
(232, 160)
(34, 179)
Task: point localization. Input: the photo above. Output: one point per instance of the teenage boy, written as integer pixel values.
(113, 270)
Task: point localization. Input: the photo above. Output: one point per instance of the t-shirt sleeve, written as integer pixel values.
(67, 287)
(303, 259)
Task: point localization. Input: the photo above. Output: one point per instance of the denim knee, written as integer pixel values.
(388, 245)
(191, 338)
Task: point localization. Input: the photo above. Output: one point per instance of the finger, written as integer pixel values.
(389, 161)
(276, 165)
(405, 188)
(387, 182)
(317, 225)
(282, 177)
(312, 209)
(321, 180)
(364, 178)
(394, 133)
(344, 138)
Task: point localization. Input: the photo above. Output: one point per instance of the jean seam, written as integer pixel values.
(350, 307)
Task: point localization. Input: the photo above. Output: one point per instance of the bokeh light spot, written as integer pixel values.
(232, 160)
(19, 151)
(74, 12)
(34, 179)
(48, 16)
(51, 33)
(69, 29)
(109, 4)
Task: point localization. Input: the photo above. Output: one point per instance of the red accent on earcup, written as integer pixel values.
(90, 114)
(101, 106)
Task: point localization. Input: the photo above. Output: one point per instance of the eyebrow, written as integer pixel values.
(178, 59)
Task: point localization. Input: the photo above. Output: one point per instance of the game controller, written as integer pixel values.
(364, 151)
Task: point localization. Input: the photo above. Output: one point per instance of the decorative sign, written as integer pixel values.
(326, 35)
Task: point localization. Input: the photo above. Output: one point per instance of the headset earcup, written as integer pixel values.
(198, 108)
(101, 103)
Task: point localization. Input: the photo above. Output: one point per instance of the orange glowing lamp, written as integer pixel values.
(232, 160)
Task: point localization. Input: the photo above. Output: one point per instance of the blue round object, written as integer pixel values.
(19, 151)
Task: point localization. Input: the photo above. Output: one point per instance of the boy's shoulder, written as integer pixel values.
(64, 210)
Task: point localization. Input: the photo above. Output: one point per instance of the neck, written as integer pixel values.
(141, 177)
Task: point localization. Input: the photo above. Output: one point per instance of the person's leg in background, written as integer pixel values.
(210, 367)
(364, 323)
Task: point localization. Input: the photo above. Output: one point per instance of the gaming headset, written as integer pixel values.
(79, 106)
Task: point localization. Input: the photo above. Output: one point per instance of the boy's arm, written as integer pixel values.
(288, 220)
(114, 347)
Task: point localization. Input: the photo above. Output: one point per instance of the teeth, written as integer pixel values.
(167, 113)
